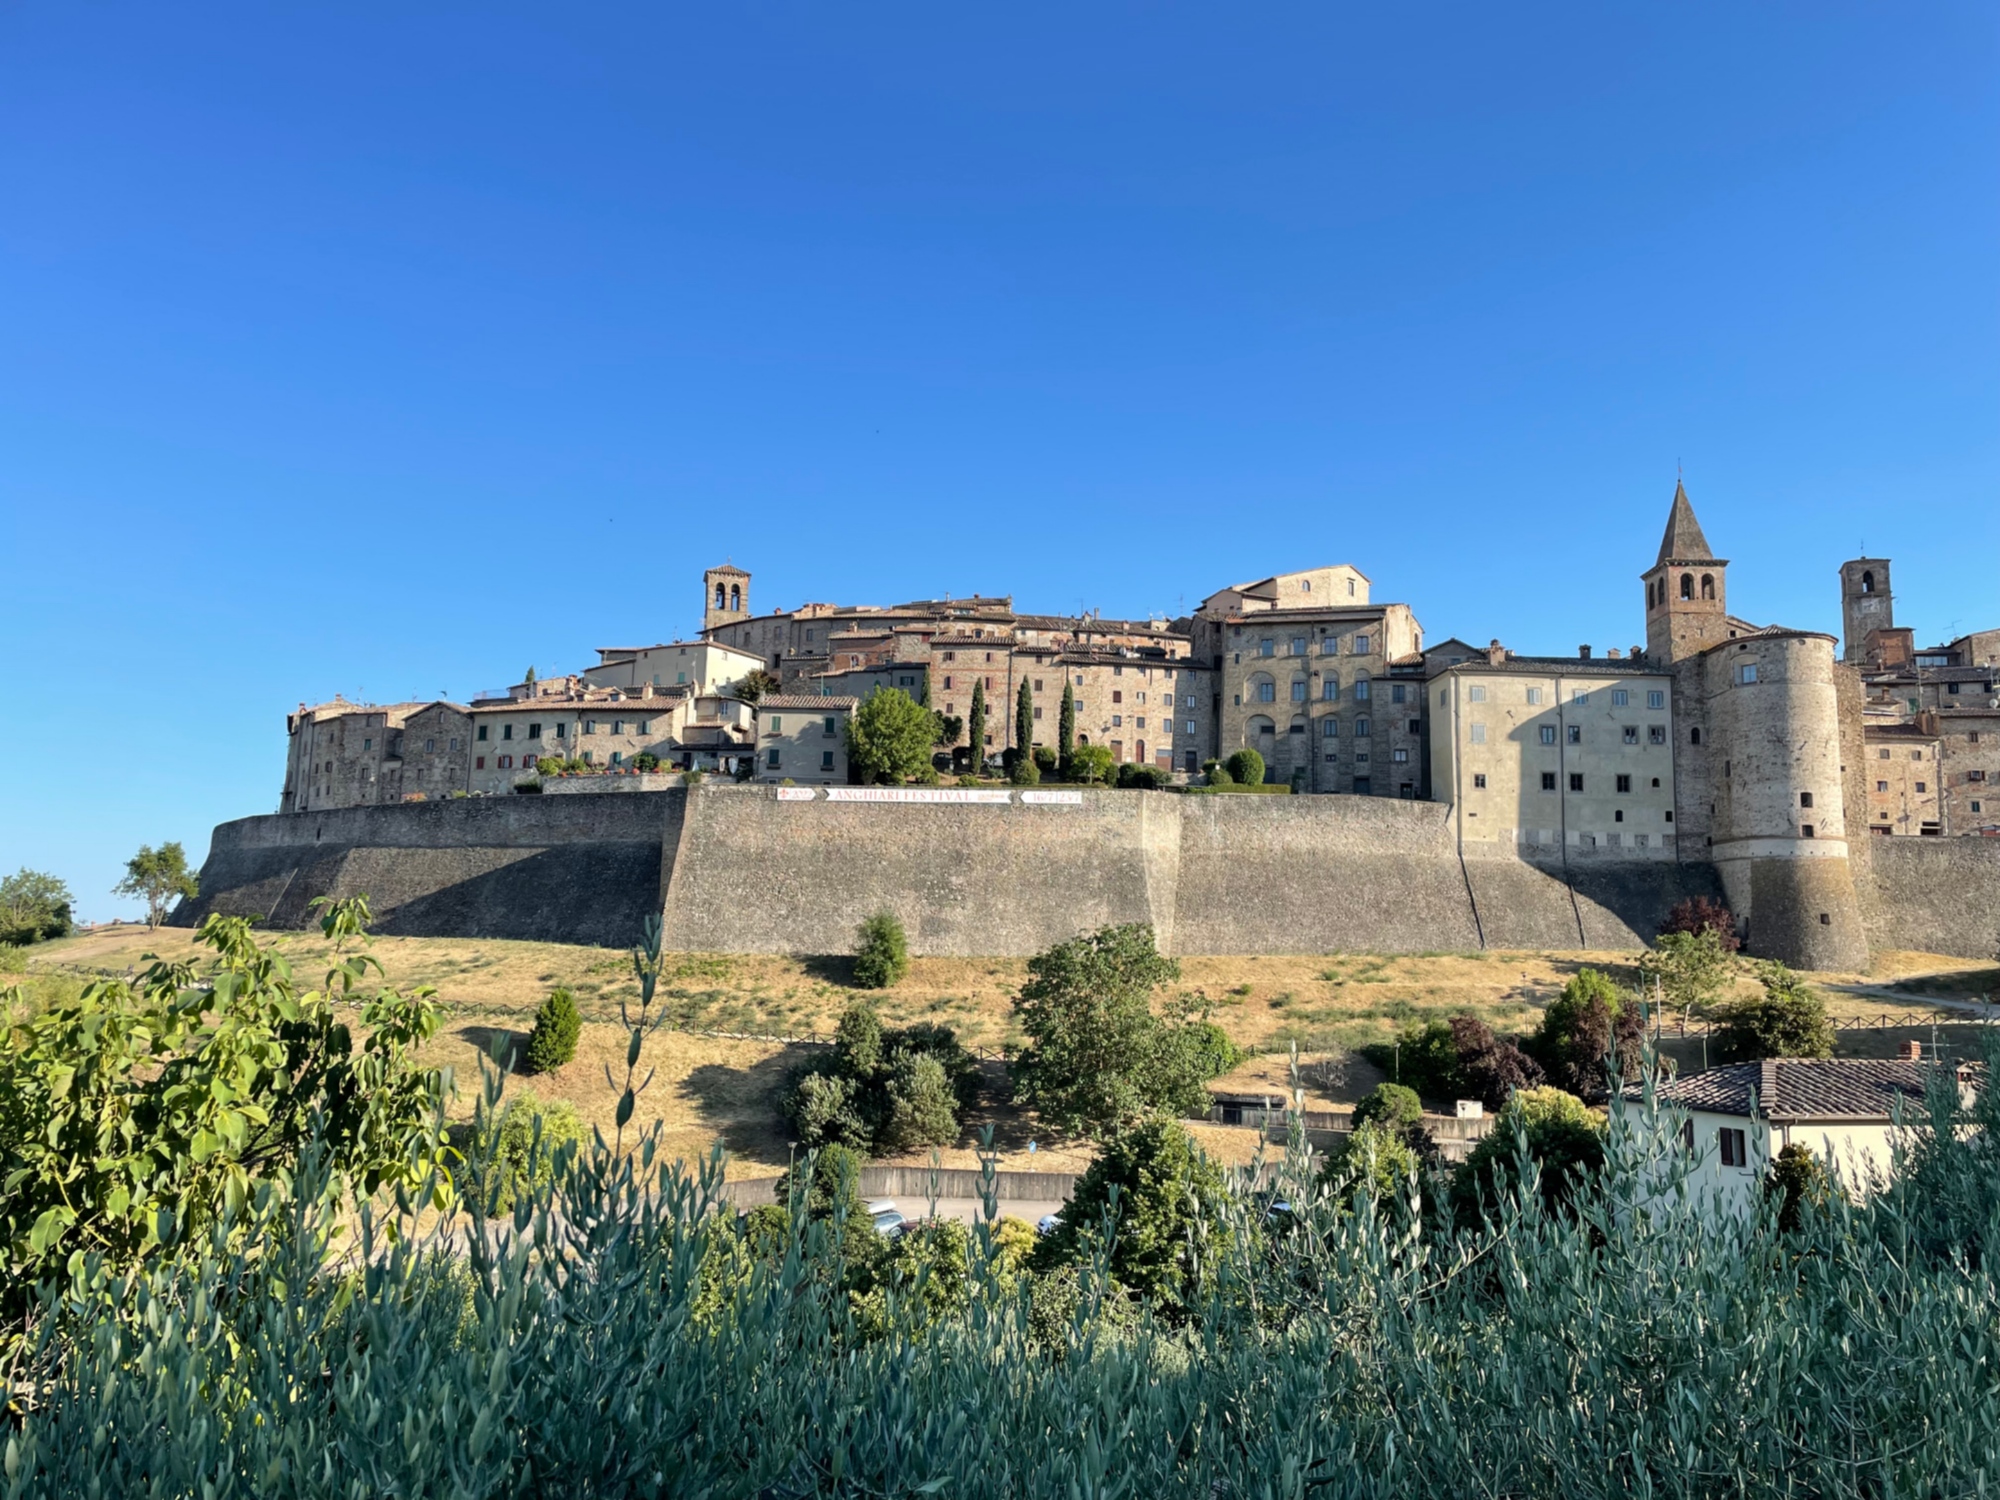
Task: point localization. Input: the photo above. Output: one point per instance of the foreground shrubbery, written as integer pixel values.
(617, 1336)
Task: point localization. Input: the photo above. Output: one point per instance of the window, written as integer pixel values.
(1188, 727)
(1298, 690)
(1475, 695)
(430, 745)
(1805, 799)
(1298, 645)
(826, 760)
(1548, 734)
(534, 731)
(1805, 830)
(454, 742)
(680, 679)
(1881, 754)
(1534, 695)
(1656, 734)
(368, 744)
(1620, 698)
(1361, 645)
(1747, 672)
(1330, 729)
(1329, 690)
(1576, 781)
(1188, 701)
(777, 723)
(1922, 787)
(1631, 734)
(1267, 647)
(1575, 735)
(1397, 693)
(1117, 721)
(590, 726)
(1687, 585)
(1361, 691)
(1330, 646)
(1478, 779)
(1916, 755)
(1267, 692)
(1548, 781)
(1402, 757)
(1656, 699)
(1975, 807)
(771, 758)
(479, 763)
(562, 731)
(1478, 734)
(1139, 722)
(1733, 1153)
(506, 762)
(1117, 696)
(1038, 710)
(617, 726)
(1624, 784)
(1975, 775)
(1881, 786)
(481, 735)
(830, 725)
(1578, 695)
(506, 731)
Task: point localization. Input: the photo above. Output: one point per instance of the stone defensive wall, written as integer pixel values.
(1935, 895)
(991, 872)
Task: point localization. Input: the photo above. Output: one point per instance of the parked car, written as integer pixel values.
(1047, 1223)
(888, 1221)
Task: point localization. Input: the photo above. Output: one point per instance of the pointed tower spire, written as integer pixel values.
(1683, 541)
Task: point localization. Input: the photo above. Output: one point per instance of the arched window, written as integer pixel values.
(1708, 585)
(1298, 690)
(1139, 750)
(1261, 726)
(735, 596)
(1329, 689)
(1263, 689)
(719, 602)
(1687, 585)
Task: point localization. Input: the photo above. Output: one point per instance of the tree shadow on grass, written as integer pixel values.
(831, 968)
(741, 1105)
(512, 1045)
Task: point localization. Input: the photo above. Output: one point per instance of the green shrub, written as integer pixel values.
(1046, 760)
(13, 959)
(1424, 1057)
(1563, 1136)
(693, 777)
(1246, 767)
(646, 760)
(1788, 1020)
(883, 1090)
(1025, 772)
(1391, 1105)
(1216, 772)
(922, 1109)
(826, 1109)
(1143, 778)
(882, 957)
(557, 1027)
(1579, 1031)
(516, 1158)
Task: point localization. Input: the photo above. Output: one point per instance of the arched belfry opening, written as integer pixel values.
(1687, 585)
(1708, 585)
(736, 596)
(1868, 582)
(719, 603)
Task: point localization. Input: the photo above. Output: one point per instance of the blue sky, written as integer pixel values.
(387, 350)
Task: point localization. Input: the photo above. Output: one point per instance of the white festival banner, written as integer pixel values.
(914, 794)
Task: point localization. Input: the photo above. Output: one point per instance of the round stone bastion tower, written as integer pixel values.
(1758, 775)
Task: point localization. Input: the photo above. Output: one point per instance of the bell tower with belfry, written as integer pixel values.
(1686, 593)
(725, 596)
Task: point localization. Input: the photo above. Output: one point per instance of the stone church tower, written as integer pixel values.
(725, 596)
(1759, 779)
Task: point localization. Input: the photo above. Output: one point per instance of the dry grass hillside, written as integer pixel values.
(711, 1090)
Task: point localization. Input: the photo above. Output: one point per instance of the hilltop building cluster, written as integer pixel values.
(1717, 739)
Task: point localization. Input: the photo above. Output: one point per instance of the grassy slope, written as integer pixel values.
(711, 1090)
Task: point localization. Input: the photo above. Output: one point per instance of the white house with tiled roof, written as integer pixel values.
(803, 738)
(1844, 1110)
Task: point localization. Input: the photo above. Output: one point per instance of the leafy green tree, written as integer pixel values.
(1024, 721)
(1246, 766)
(1563, 1135)
(1788, 1020)
(558, 1025)
(1424, 1057)
(976, 723)
(889, 737)
(1066, 728)
(1578, 1032)
(1167, 1191)
(1801, 1184)
(528, 677)
(882, 954)
(1097, 1056)
(857, 1040)
(33, 906)
(1091, 764)
(756, 685)
(1375, 1158)
(1490, 1068)
(1699, 914)
(133, 1116)
(922, 1107)
(1688, 968)
(826, 1109)
(950, 728)
(884, 1090)
(158, 877)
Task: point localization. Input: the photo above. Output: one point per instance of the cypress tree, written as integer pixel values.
(1066, 728)
(975, 724)
(1024, 721)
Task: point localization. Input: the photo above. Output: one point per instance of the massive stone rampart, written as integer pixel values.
(1935, 895)
(740, 869)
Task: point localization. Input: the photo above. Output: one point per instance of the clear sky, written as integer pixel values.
(389, 349)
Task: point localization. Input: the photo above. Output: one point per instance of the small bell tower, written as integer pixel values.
(1686, 589)
(725, 596)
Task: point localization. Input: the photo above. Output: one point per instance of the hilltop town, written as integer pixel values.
(1338, 693)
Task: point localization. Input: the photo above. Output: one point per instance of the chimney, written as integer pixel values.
(1583, 653)
(1611, 654)
(1495, 653)
(1638, 652)
(1912, 1052)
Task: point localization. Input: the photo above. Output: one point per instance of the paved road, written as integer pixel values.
(971, 1210)
(1979, 1010)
